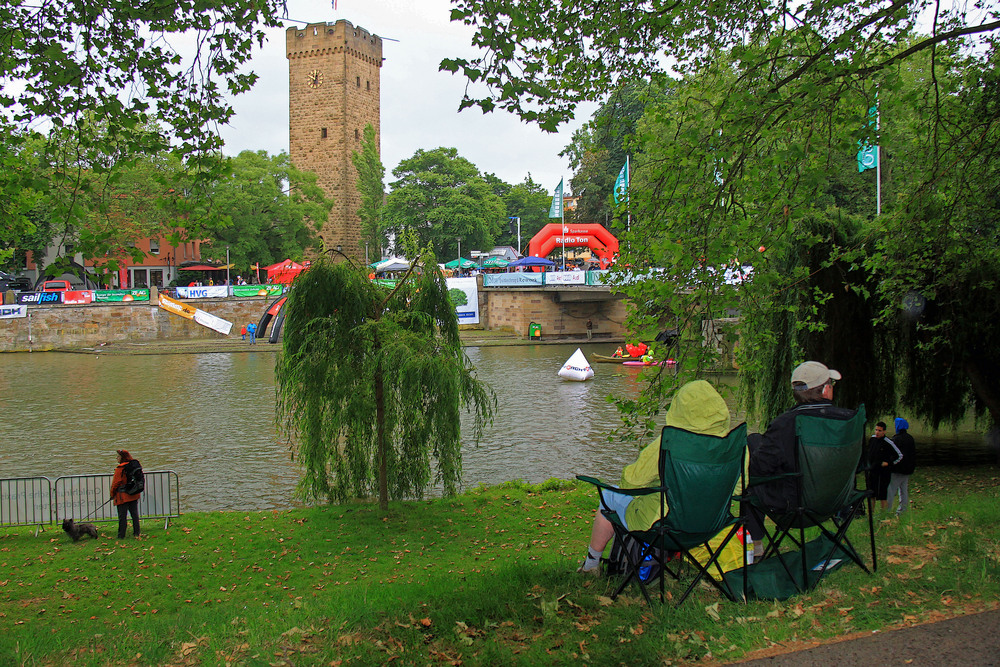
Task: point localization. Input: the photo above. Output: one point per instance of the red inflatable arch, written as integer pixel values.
(601, 242)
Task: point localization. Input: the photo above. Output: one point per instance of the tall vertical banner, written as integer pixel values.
(868, 156)
(868, 153)
(556, 210)
(621, 184)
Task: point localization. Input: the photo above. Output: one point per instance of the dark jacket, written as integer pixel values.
(773, 452)
(884, 450)
(908, 448)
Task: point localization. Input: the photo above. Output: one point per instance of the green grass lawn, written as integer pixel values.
(485, 578)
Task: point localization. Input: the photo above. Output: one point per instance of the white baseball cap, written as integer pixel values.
(812, 374)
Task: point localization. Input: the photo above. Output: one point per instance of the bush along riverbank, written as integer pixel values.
(485, 578)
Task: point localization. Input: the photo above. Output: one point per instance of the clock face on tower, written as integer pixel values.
(314, 78)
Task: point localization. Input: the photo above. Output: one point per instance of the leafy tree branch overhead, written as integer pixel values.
(130, 63)
(542, 57)
(748, 167)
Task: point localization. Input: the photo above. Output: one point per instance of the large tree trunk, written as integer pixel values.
(988, 395)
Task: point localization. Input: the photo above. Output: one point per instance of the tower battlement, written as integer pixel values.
(342, 36)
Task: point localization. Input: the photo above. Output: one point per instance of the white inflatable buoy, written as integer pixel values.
(577, 367)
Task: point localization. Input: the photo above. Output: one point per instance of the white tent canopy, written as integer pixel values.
(391, 264)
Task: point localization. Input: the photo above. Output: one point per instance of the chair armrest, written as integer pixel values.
(757, 480)
(644, 491)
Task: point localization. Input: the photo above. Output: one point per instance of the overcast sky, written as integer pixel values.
(419, 103)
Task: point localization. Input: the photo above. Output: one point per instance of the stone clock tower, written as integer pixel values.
(333, 85)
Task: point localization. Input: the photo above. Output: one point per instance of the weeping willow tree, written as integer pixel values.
(371, 384)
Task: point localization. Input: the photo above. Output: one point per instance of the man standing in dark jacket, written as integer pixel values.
(882, 454)
(900, 471)
(773, 452)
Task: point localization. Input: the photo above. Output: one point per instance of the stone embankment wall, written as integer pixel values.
(514, 310)
(51, 327)
(58, 326)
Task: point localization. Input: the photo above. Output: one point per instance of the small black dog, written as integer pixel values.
(78, 530)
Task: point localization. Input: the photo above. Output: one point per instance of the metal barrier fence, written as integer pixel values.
(27, 501)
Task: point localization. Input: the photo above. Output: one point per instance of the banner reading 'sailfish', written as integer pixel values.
(200, 316)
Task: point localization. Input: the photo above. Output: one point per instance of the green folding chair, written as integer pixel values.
(698, 475)
(827, 502)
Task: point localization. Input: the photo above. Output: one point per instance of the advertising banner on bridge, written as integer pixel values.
(526, 279)
(566, 278)
(206, 292)
(597, 277)
(464, 293)
(9, 312)
(39, 298)
(258, 290)
(78, 297)
(196, 314)
(103, 295)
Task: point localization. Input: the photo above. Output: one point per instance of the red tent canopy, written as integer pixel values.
(283, 272)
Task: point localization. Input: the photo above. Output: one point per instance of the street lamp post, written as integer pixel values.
(227, 268)
(459, 239)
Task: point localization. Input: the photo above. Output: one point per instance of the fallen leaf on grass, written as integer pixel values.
(605, 601)
(713, 611)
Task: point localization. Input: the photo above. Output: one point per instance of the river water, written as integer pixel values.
(210, 418)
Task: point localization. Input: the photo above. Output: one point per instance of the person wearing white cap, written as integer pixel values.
(773, 452)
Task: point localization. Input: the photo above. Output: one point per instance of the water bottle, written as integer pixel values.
(748, 543)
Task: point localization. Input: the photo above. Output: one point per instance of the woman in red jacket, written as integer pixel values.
(125, 502)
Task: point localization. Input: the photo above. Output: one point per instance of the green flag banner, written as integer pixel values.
(556, 210)
(867, 153)
(621, 185)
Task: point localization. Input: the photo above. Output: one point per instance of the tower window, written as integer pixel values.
(322, 133)
(359, 81)
(368, 85)
(357, 135)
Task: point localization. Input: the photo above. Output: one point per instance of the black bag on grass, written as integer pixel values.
(624, 552)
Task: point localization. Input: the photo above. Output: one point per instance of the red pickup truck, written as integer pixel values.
(56, 286)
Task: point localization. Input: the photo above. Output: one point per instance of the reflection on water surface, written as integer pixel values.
(210, 418)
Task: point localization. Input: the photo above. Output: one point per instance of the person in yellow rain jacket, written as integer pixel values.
(697, 407)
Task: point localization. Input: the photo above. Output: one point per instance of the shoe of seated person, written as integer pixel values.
(595, 569)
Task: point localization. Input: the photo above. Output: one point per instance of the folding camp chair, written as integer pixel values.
(698, 476)
(827, 453)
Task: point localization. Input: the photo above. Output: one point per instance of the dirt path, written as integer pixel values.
(956, 642)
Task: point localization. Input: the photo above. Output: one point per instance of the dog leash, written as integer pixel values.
(97, 510)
